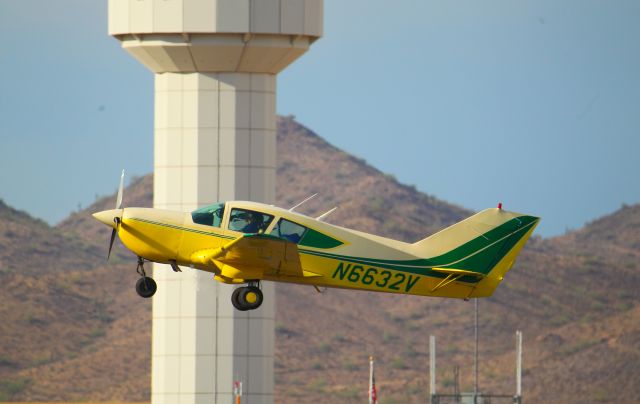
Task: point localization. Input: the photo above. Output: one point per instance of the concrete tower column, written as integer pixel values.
(215, 63)
(215, 140)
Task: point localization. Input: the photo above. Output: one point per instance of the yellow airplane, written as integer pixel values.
(245, 242)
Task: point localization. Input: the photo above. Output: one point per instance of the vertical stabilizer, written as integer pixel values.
(485, 244)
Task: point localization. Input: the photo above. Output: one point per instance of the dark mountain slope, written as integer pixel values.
(56, 303)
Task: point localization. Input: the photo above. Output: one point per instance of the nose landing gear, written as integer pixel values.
(145, 286)
(247, 297)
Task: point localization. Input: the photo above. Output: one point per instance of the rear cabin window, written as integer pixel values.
(249, 221)
(289, 231)
(209, 215)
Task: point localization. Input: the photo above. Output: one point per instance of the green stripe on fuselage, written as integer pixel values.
(478, 255)
(182, 228)
(511, 228)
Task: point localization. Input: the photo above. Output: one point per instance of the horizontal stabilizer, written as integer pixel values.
(453, 271)
(453, 275)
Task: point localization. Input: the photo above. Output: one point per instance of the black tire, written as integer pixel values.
(235, 301)
(146, 287)
(250, 297)
(246, 298)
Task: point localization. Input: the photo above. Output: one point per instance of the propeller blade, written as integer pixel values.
(113, 238)
(120, 191)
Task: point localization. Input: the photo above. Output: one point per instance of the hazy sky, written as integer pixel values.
(532, 103)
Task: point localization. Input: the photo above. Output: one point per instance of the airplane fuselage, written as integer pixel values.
(330, 256)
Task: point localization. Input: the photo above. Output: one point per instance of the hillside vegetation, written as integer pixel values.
(73, 328)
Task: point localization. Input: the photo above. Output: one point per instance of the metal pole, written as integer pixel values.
(475, 362)
(371, 400)
(432, 368)
(456, 383)
(519, 366)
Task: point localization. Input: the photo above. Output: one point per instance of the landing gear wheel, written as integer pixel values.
(234, 300)
(251, 296)
(146, 287)
(247, 298)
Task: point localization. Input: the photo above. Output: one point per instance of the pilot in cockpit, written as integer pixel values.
(254, 223)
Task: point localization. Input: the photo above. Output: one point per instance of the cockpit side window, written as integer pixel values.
(287, 230)
(249, 221)
(209, 215)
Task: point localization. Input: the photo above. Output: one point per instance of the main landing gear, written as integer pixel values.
(247, 297)
(145, 286)
(243, 298)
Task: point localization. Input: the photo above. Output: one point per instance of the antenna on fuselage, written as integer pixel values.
(325, 214)
(306, 200)
(320, 290)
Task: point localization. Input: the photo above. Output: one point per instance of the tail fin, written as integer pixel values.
(484, 245)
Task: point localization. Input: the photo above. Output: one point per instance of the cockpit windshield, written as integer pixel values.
(209, 215)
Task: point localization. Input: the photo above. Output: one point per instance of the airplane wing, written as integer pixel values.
(273, 255)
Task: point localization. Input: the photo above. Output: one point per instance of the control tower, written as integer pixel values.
(215, 64)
